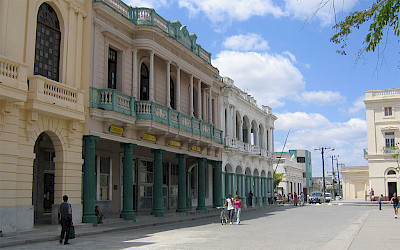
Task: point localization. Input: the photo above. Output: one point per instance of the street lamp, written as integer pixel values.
(322, 149)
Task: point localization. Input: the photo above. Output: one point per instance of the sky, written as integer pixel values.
(280, 53)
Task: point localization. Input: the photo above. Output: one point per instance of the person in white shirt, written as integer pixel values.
(231, 208)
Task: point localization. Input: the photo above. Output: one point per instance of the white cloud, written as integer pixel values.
(267, 77)
(321, 97)
(248, 42)
(222, 12)
(322, 10)
(148, 3)
(311, 131)
(357, 105)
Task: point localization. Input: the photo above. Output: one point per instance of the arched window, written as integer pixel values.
(172, 94)
(48, 37)
(391, 172)
(144, 83)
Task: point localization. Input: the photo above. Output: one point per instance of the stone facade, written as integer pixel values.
(249, 150)
(293, 181)
(383, 130)
(355, 182)
(44, 53)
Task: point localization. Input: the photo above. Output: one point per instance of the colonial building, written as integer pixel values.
(249, 145)
(154, 140)
(383, 130)
(356, 182)
(44, 59)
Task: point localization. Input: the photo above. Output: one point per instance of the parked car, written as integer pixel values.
(328, 197)
(315, 197)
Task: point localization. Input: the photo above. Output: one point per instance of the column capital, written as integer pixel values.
(91, 138)
(179, 156)
(128, 145)
(158, 151)
(151, 52)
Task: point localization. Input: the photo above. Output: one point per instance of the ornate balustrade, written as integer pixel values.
(113, 100)
(49, 96)
(13, 80)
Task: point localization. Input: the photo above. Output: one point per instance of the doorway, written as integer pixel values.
(392, 188)
(43, 179)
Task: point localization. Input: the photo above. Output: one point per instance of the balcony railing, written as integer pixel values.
(113, 100)
(231, 142)
(389, 150)
(147, 16)
(13, 79)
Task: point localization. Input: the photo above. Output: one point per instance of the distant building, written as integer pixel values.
(297, 169)
(383, 129)
(355, 182)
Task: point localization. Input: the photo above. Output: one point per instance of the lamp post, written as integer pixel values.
(322, 149)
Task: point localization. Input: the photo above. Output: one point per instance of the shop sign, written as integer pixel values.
(196, 148)
(116, 130)
(175, 143)
(149, 137)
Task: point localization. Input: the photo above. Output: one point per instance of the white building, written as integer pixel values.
(383, 124)
(248, 155)
(294, 174)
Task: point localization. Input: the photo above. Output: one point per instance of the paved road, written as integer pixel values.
(285, 227)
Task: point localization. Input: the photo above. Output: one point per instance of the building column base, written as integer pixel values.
(202, 209)
(158, 213)
(182, 210)
(128, 215)
(90, 219)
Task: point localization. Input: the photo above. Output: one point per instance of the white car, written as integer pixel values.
(328, 197)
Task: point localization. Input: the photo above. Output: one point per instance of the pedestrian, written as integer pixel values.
(99, 214)
(372, 194)
(380, 201)
(302, 198)
(65, 219)
(295, 199)
(395, 201)
(250, 199)
(231, 208)
(238, 208)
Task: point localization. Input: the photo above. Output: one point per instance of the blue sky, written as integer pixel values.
(275, 52)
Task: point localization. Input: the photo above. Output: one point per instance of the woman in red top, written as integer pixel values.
(238, 208)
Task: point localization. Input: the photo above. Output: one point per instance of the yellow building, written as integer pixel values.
(44, 66)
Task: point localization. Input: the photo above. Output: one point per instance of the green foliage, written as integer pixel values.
(383, 15)
(278, 178)
(396, 155)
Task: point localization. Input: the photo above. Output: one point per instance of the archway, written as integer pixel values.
(43, 179)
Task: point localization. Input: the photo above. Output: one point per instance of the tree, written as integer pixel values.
(278, 177)
(384, 17)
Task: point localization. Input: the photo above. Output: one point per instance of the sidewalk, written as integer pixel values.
(375, 229)
(112, 223)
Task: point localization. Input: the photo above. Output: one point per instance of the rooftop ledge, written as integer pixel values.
(148, 16)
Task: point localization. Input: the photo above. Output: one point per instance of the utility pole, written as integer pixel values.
(339, 176)
(322, 149)
(334, 157)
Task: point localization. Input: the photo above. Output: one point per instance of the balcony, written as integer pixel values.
(389, 150)
(54, 98)
(234, 143)
(113, 100)
(13, 83)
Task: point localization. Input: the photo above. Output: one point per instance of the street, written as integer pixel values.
(283, 227)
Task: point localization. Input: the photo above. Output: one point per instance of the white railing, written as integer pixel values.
(119, 6)
(54, 93)
(186, 122)
(161, 113)
(387, 92)
(206, 129)
(143, 15)
(106, 97)
(160, 22)
(143, 108)
(255, 150)
(123, 102)
(231, 142)
(8, 68)
(174, 117)
(196, 125)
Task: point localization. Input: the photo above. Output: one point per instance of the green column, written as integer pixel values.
(158, 200)
(234, 184)
(182, 206)
(201, 185)
(252, 189)
(127, 209)
(89, 182)
(264, 188)
(217, 184)
(260, 201)
(246, 190)
(229, 184)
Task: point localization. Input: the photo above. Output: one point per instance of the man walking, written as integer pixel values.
(380, 201)
(65, 219)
